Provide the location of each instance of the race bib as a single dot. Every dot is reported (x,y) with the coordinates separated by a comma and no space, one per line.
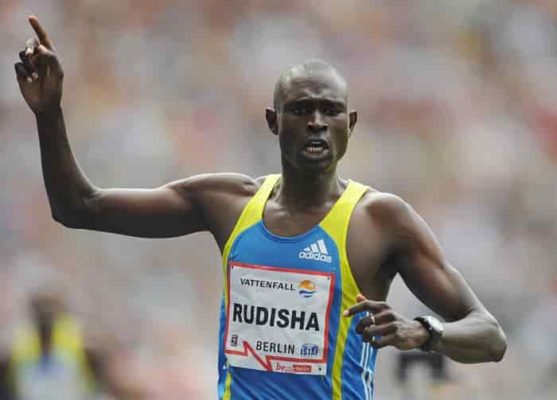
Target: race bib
(278,319)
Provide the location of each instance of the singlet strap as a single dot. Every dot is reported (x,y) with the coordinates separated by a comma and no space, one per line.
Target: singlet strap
(251,214)
(253,210)
(337,220)
(336,225)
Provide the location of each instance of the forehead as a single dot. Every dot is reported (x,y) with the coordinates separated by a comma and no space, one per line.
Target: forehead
(326,84)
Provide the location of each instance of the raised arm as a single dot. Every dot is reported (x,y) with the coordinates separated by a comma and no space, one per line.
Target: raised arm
(470,334)
(175,209)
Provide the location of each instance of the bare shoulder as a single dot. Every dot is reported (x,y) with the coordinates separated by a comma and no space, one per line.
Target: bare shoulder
(220,198)
(384,206)
(389,212)
(404,227)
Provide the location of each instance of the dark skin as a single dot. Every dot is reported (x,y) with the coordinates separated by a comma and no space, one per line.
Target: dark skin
(386,236)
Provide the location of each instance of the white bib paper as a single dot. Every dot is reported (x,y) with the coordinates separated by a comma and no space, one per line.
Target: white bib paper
(277,319)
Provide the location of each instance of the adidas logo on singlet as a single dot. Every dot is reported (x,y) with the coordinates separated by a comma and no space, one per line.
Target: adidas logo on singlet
(316,251)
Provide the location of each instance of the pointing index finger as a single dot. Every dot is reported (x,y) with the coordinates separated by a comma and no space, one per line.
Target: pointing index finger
(41,32)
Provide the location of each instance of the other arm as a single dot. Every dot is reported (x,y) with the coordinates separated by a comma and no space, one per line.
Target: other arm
(471,334)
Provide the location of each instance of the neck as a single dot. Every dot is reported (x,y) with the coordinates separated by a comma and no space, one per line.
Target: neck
(299,191)
(45,338)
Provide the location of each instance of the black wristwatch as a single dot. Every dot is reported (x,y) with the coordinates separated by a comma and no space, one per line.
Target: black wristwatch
(435,329)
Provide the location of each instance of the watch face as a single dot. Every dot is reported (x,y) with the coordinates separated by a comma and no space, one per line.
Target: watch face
(435,324)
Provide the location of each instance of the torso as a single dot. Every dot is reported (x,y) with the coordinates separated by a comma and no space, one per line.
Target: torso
(287,279)
(369,245)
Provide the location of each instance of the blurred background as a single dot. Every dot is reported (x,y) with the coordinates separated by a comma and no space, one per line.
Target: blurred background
(457,104)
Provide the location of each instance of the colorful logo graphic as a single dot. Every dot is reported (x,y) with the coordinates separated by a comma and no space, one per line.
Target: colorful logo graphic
(306,288)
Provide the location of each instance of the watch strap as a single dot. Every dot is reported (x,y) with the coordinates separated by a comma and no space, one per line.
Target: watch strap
(435,330)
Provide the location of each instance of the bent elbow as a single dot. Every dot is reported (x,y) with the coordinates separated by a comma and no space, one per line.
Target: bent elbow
(58,217)
(63,220)
(499,352)
(498,355)
(499,344)
(68,220)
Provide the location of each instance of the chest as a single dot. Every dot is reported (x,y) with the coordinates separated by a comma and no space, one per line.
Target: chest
(287,224)
(296,240)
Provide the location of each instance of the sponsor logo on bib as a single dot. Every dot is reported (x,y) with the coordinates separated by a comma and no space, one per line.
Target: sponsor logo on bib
(306,288)
(309,350)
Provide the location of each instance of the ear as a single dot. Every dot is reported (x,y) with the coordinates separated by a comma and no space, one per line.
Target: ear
(271,117)
(352,119)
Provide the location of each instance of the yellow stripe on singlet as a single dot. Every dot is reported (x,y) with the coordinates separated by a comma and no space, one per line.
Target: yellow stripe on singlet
(336,225)
(251,214)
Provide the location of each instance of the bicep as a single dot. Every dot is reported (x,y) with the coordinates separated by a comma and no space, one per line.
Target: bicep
(427,273)
(167,211)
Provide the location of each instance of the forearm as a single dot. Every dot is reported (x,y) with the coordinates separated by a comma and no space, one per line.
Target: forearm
(66,185)
(474,339)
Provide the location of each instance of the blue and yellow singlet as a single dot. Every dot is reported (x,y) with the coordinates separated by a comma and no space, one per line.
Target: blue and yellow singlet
(282,334)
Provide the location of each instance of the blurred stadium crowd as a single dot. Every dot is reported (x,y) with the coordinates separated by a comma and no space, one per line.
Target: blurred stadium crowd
(457,106)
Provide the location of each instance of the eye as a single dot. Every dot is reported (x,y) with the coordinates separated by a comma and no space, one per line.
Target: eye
(330,111)
(299,110)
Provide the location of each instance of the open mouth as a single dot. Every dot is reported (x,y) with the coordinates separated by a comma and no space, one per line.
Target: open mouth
(316,146)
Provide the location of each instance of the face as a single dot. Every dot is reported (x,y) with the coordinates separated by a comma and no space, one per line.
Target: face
(312,121)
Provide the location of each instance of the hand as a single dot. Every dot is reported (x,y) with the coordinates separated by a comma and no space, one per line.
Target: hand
(384,327)
(39,73)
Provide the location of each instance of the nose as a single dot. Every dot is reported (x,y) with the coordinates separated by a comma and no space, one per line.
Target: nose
(317,123)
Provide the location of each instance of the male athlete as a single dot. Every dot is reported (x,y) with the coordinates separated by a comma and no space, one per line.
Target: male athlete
(300,249)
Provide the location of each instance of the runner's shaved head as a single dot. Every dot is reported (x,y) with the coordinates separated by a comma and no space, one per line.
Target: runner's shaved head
(308,68)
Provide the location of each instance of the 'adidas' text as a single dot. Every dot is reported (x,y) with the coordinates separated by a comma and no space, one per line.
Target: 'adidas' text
(316,251)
